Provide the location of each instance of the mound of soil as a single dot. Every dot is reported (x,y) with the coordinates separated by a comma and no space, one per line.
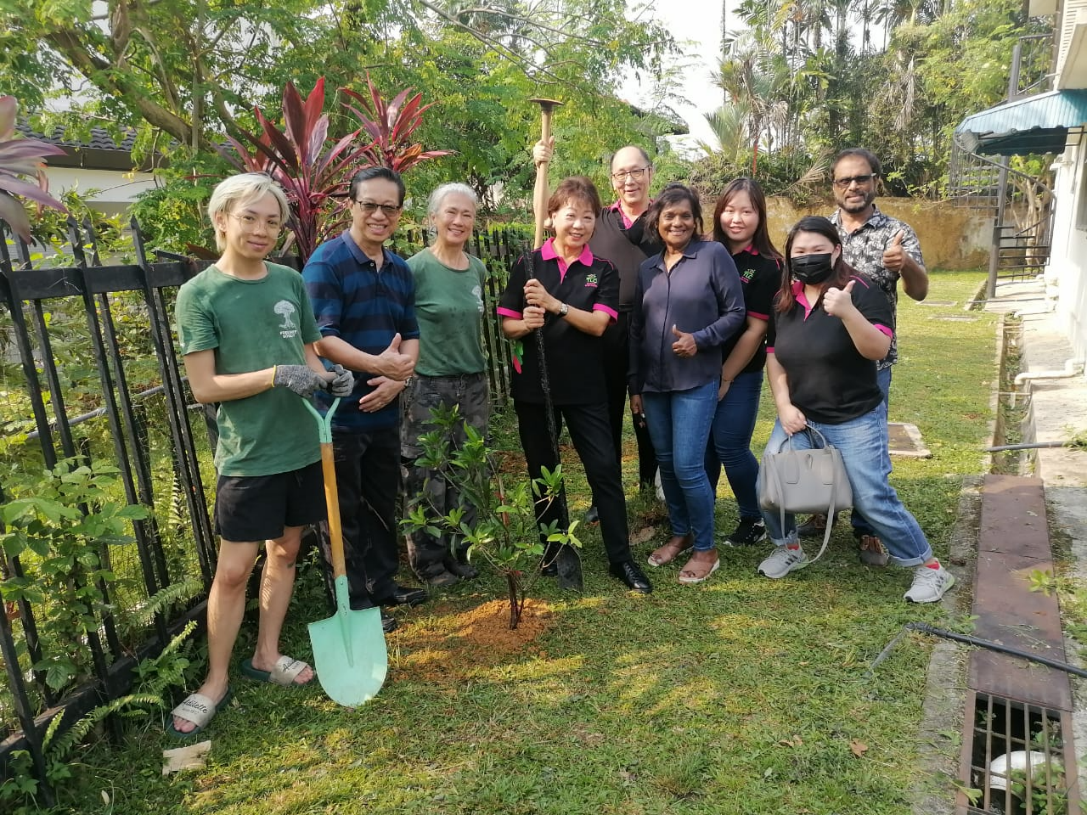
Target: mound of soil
(451,644)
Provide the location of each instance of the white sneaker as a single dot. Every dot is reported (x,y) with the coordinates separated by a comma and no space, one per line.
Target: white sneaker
(782,561)
(657,484)
(929,585)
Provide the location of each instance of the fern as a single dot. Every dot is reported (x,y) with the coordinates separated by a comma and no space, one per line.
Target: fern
(58,748)
(161,600)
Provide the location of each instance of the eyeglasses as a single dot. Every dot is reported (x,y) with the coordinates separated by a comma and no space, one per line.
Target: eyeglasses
(859,180)
(635,174)
(250,223)
(369,208)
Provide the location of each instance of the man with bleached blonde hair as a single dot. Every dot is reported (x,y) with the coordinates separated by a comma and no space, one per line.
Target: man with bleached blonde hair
(247,335)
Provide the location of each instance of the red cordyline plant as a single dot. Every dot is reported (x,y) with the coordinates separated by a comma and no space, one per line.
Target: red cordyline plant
(390,126)
(316,175)
(19,157)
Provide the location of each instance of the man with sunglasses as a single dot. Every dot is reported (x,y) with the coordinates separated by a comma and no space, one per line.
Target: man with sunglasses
(363,297)
(620,237)
(886,250)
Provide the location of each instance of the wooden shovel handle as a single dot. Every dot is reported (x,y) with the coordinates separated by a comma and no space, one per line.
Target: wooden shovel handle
(540,193)
(332,499)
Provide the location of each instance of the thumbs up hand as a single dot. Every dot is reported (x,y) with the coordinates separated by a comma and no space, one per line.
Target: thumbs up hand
(684,346)
(839,302)
(894,256)
(393,364)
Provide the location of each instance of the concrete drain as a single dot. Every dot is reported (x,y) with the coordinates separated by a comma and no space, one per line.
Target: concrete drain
(1017,759)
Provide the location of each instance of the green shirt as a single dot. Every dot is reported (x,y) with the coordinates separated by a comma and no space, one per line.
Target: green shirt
(252,325)
(449,308)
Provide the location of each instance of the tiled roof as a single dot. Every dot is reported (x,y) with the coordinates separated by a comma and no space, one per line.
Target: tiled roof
(100,139)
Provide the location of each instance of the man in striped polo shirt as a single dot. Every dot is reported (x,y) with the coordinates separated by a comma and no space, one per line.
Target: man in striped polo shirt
(363,297)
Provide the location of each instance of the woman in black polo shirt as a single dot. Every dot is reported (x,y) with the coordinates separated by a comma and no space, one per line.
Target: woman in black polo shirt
(739,224)
(830,326)
(572,299)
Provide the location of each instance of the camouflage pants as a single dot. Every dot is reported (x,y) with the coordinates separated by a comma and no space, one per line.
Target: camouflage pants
(427,554)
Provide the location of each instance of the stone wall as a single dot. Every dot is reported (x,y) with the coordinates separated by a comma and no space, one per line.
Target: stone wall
(951,237)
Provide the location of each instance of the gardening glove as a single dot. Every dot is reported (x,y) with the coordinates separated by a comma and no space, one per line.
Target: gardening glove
(343,384)
(300,379)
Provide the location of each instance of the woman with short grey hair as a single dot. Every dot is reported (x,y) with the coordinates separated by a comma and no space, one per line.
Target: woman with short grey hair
(450,371)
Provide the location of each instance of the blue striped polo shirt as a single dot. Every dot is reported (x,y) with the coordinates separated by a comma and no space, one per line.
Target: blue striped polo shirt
(364,306)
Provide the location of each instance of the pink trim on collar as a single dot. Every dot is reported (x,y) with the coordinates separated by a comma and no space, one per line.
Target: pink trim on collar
(750,249)
(547,252)
(617,207)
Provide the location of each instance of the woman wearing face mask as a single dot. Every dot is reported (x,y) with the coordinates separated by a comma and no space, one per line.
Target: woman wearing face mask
(739,224)
(830,326)
(687,305)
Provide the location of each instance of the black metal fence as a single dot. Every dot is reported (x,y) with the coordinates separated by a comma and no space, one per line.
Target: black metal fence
(90,371)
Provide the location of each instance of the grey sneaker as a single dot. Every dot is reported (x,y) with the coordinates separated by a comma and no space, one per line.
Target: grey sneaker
(782,561)
(929,585)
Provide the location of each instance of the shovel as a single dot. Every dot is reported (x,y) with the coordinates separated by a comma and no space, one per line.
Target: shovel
(349,647)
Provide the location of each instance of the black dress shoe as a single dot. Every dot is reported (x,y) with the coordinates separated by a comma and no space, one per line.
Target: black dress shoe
(403,596)
(465,571)
(630,573)
(388,622)
(592,515)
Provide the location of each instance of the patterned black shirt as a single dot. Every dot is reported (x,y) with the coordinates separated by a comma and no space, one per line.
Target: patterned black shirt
(863,250)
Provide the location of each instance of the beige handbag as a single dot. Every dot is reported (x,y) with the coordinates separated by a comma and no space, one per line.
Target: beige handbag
(794,481)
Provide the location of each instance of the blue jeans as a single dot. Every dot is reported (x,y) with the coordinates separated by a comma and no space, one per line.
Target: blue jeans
(679,425)
(863,444)
(730,442)
(883,380)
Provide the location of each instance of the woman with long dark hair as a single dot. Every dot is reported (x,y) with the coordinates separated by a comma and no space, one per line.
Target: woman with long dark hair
(830,326)
(687,305)
(739,224)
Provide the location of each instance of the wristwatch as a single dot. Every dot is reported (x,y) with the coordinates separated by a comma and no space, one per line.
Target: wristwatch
(564,310)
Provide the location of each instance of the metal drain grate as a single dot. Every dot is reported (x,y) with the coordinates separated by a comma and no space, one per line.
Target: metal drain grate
(1017,760)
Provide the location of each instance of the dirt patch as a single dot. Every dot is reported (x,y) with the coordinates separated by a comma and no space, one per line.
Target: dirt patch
(451,644)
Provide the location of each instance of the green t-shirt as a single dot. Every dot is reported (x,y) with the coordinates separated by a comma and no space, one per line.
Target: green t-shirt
(449,308)
(252,325)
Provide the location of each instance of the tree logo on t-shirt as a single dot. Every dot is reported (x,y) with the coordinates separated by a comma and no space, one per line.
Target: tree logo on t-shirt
(590,280)
(286,309)
(477,292)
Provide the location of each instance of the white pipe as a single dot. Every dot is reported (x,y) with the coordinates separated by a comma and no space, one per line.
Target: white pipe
(1072,367)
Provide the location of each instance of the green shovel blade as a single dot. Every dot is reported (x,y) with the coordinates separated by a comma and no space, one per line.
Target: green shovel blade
(349,651)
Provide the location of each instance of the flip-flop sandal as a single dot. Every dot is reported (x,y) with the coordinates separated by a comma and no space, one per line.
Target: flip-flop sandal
(690,580)
(198,709)
(653,560)
(284,672)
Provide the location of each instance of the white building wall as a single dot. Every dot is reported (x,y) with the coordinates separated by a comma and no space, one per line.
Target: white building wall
(1065,274)
(115,189)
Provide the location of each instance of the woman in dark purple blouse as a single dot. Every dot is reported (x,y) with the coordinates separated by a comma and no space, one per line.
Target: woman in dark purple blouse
(687,304)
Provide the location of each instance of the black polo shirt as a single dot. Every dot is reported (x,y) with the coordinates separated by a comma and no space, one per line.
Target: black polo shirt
(575,360)
(760,279)
(829,380)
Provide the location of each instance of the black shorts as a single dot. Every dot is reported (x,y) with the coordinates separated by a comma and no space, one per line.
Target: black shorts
(251,508)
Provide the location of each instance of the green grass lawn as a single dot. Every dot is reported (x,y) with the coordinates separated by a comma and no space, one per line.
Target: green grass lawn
(743,695)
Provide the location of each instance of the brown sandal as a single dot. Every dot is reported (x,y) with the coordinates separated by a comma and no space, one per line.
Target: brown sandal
(676,546)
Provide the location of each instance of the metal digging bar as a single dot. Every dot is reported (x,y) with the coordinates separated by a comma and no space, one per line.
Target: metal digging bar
(999,648)
(567,561)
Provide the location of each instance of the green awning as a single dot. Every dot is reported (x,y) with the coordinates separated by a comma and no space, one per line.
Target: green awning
(1035,124)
